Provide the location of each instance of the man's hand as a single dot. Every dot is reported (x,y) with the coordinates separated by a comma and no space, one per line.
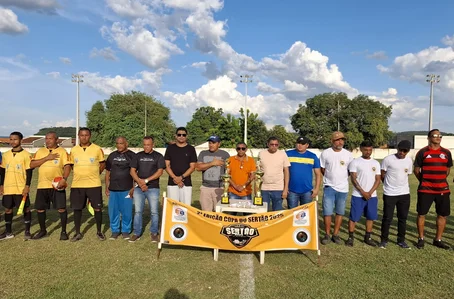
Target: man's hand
(284,194)
(1,190)
(26,190)
(51,156)
(217,162)
(107,192)
(62,184)
(314,193)
(141,183)
(177,180)
(131,192)
(144,188)
(366,195)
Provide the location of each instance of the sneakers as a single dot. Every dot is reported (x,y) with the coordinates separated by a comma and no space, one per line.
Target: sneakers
(403,245)
(5,236)
(441,244)
(125,236)
(349,242)
(370,242)
(114,236)
(41,234)
(336,239)
(77,237)
(326,240)
(382,245)
(101,236)
(63,236)
(420,244)
(27,236)
(134,238)
(154,238)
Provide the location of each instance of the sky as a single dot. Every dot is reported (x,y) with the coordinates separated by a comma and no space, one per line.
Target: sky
(189,54)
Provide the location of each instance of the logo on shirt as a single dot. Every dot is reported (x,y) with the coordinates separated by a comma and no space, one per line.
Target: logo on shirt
(342,163)
(92,160)
(76,160)
(442,156)
(55,161)
(18,166)
(373,168)
(406,170)
(146,160)
(428,157)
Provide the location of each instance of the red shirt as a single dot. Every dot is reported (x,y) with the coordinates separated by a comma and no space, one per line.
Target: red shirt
(434,164)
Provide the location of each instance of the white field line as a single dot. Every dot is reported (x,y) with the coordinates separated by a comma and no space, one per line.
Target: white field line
(247,280)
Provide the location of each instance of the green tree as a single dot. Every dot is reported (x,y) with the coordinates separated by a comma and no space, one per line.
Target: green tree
(61,131)
(359,118)
(230,131)
(125,114)
(205,122)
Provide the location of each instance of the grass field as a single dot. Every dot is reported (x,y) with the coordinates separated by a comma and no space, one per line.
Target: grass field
(50,268)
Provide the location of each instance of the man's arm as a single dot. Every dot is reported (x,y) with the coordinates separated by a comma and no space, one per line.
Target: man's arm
(28,181)
(322,170)
(318,181)
(2,179)
(39,162)
(375,186)
(107,182)
(200,166)
(176,179)
(417,172)
(353,178)
(190,170)
(286,179)
(102,166)
(383,174)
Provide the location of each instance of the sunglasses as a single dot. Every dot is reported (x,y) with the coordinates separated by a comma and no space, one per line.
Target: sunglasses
(403,150)
(240,148)
(274,144)
(179,135)
(437,136)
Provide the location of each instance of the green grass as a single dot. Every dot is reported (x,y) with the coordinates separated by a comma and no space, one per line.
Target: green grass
(49,268)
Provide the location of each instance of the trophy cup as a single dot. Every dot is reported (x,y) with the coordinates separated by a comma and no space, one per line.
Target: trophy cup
(226,178)
(258,201)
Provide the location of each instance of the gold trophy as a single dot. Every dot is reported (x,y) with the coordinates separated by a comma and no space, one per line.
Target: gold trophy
(258,201)
(226,178)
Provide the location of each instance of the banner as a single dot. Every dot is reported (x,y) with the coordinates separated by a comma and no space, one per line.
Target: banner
(281,230)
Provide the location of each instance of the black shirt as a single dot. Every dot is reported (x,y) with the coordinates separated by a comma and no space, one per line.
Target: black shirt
(147,164)
(180,158)
(118,165)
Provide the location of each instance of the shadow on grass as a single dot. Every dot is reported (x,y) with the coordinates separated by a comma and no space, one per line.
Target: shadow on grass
(175,294)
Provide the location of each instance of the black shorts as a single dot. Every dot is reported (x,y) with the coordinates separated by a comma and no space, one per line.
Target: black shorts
(11,201)
(44,197)
(79,197)
(442,203)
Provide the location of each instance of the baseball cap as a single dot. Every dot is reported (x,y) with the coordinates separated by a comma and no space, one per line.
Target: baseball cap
(214,138)
(404,144)
(303,140)
(337,135)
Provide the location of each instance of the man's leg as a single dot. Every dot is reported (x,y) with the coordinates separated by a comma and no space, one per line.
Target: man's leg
(356,210)
(328,208)
(139,202)
(389,202)
(78,201)
(125,205)
(42,202)
(8,203)
(443,209)
(403,206)
(187,195)
(95,196)
(60,204)
(422,207)
(173,192)
(340,198)
(153,201)
(266,197)
(371,209)
(305,198)
(205,199)
(292,200)
(277,200)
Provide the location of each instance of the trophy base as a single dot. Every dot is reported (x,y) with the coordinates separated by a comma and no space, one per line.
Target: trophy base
(225,200)
(258,201)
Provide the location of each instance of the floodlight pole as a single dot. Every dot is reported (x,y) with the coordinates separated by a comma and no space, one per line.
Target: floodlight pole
(432,78)
(245,79)
(77,79)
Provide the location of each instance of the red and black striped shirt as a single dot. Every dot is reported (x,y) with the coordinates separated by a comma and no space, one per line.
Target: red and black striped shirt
(434,164)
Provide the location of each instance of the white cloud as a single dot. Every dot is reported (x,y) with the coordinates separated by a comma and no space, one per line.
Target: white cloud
(54,75)
(266,88)
(379,55)
(448,40)
(292,86)
(128,8)
(65,123)
(9,23)
(106,53)
(65,60)
(43,6)
(13,69)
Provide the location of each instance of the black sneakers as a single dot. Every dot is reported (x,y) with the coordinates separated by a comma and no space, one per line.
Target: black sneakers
(41,234)
(326,240)
(349,242)
(5,236)
(63,236)
(114,236)
(370,242)
(441,244)
(336,239)
(77,237)
(420,243)
(101,236)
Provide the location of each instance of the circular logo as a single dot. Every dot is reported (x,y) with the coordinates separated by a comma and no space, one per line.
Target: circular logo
(179,212)
(178,232)
(301,237)
(342,163)
(373,168)
(406,170)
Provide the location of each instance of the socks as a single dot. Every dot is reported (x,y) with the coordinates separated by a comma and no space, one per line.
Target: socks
(98,218)
(42,220)
(63,220)
(350,234)
(367,236)
(9,222)
(77,220)
(27,220)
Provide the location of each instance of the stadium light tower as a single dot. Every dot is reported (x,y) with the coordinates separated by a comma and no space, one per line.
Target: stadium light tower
(432,79)
(245,79)
(77,79)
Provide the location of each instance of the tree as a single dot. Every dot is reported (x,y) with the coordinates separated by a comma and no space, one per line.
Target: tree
(124,115)
(206,121)
(61,131)
(256,130)
(360,118)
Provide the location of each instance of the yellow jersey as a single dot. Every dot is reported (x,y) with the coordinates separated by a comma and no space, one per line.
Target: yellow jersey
(86,166)
(50,169)
(15,164)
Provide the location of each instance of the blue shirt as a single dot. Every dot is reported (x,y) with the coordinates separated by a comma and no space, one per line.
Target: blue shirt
(301,170)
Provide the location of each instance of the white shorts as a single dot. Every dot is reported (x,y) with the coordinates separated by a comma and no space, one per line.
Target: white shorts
(183,195)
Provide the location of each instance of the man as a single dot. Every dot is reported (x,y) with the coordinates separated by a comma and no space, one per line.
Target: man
(365,176)
(334,163)
(88,163)
(15,179)
(242,169)
(395,170)
(211,163)
(432,166)
(180,161)
(119,188)
(275,166)
(302,164)
(53,161)
(146,168)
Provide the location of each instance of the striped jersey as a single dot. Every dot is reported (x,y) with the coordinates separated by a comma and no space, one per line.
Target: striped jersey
(434,164)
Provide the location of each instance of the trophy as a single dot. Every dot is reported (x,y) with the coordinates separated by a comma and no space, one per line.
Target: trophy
(226,178)
(258,201)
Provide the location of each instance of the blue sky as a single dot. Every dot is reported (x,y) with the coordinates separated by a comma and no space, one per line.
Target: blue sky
(191,53)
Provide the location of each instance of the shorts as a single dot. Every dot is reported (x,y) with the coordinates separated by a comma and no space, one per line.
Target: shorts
(442,203)
(14,200)
(361,206)
(333,200)
(79,196)
(44,197)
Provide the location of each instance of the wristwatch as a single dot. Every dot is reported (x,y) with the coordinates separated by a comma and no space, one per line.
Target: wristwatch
(146,181)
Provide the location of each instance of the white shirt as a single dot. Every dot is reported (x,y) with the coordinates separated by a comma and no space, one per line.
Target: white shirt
(336,168)
(366,170)
(396,177)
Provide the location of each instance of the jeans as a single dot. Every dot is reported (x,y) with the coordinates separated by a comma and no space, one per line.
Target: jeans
(333,201)
(152,195)
(402,202)
(275,197)
(297,199)
(120,205)
(234,196)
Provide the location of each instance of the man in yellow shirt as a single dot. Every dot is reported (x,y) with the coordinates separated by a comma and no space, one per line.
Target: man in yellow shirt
(88,163)
(53,161)
(15,179)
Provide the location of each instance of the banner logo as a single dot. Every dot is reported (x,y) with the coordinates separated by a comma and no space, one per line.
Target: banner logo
(178,233)
(301,237)
(239,234)
(301,218)
(179,214)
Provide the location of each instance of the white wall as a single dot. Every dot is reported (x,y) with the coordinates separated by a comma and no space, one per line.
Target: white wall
(420,141)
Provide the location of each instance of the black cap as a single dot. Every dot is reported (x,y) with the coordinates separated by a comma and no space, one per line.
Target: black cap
(303,140)
(404,144)
(214,138)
